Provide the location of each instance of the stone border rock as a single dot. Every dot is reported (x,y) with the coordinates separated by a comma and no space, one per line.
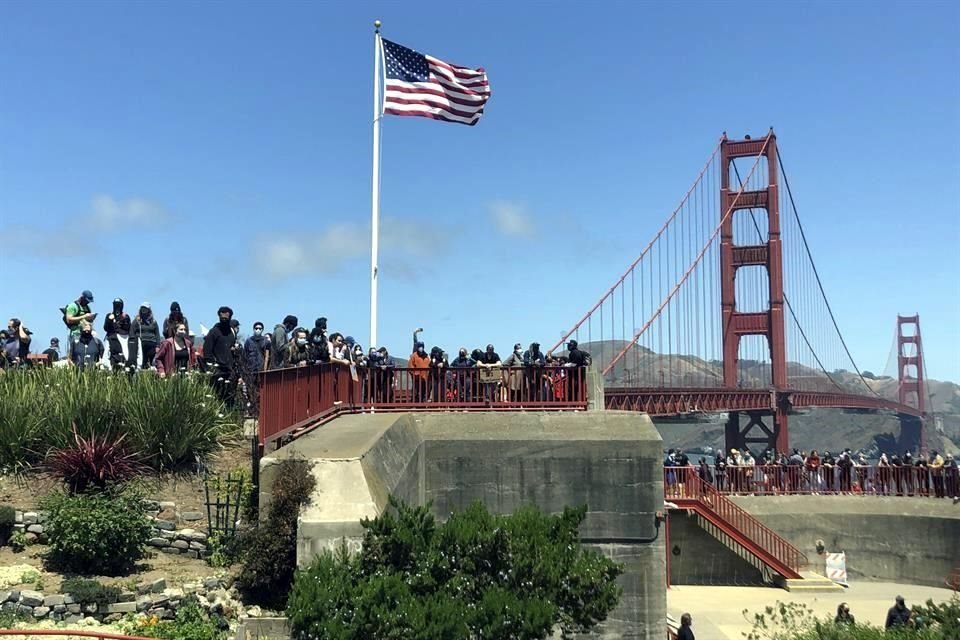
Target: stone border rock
(216,594)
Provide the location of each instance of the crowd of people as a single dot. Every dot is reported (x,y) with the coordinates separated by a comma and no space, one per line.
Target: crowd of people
(801,472)
(166,346)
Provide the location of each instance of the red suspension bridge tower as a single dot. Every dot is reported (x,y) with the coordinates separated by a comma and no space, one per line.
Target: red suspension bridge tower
(768,323)
(911,385)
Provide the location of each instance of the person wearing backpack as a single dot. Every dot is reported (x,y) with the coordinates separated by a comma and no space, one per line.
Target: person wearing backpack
(78,311)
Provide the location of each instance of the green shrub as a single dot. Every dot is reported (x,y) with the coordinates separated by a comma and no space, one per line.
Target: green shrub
(173,423)
(103,533)
(86,591)
(475,576)
(190,623)
(271,560)
(8,517)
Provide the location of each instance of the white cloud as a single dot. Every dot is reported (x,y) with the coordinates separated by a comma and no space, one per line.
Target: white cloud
(334,248)
(512,219)
(110,214)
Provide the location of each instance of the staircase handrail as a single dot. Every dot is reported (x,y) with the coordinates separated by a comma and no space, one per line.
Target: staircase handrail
(707,495)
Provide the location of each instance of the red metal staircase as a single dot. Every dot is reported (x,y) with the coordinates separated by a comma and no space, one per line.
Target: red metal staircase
(731,524)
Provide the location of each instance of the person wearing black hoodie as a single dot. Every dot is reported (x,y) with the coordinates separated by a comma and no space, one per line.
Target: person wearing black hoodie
(145,336)
(319,343)
(116,328)
(171,321)
(218,352)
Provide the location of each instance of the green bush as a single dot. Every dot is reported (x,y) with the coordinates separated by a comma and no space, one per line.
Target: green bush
(8,517)
(173,423)
(795,621)
(190,623)
(85,591)
(102,533)
(271,560)
(475,576)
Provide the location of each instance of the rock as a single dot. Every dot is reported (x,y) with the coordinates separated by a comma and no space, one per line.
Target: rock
(30,598)
(90,608)
(191,516)
(35,528)
(122,607)
(144,603)
(196,546)
(227,580)
(5,595)
(169,535)
(192,535)
(158,585)
(192,554)
(191,587)
(150,505)
(40,612)
(73,608)
(255,611)
(9,607)
(180,544)
(113,617)
(68,599)
(52,601)
(158,542)
(166,525)
(173,594)
(73,618)
(142,588)
(163,614)
(158,599)
(32,537)
(127,596)
(19,527)
(14,596)
(18,517)
(171,550)
(164,506)
(31,517)
(23,610)
(59,608)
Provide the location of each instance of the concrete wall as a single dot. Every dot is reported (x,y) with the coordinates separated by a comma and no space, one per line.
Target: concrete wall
(696,557)
(911,540)
(608,460)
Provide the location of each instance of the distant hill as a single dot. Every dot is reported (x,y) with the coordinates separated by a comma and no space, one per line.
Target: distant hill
(646,368)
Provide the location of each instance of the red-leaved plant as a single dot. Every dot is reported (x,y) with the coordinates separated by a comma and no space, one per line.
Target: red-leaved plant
(93,463)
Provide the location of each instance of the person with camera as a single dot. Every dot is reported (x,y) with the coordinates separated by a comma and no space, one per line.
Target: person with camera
(77,312)
(17,345)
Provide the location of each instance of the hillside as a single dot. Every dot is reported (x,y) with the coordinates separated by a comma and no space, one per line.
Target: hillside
(820,429)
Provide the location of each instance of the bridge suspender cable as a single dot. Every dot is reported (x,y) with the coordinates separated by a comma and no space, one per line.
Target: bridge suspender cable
(630,269)
(786,299)
(693,265)
(816,274)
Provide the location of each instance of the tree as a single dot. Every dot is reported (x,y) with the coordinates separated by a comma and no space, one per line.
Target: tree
(475,576)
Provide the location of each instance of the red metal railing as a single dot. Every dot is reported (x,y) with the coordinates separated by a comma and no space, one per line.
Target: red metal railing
(298,398)
(682,486)
(69,632)
(924,482)
(953,580)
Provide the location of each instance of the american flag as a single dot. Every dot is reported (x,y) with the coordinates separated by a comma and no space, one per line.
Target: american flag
(421,85)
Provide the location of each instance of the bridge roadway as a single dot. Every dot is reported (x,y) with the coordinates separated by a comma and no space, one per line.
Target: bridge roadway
(685,400)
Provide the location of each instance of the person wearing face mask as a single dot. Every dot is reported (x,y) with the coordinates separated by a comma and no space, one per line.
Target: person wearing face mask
(299,352)
(171,321)
(514,362)
(256,350)
(490,364)
(86,349)
(420,365)
(144,336)
(319,342)
(219,354)
(175,355)
(116,328)
(462,376)
(534,361)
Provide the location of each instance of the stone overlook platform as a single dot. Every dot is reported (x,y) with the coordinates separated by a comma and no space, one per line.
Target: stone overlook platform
(608,460)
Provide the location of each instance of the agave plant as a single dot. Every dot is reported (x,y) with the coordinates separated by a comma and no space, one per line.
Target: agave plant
(93,463)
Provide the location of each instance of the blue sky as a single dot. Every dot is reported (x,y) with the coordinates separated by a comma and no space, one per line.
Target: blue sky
(219,153)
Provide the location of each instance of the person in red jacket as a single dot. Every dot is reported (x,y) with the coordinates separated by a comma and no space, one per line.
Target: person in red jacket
(176,353)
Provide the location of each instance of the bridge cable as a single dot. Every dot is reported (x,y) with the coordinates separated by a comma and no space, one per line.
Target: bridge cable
(785,298)
(816,274)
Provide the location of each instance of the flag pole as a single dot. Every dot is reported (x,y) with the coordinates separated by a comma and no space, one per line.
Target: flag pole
(375,193)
